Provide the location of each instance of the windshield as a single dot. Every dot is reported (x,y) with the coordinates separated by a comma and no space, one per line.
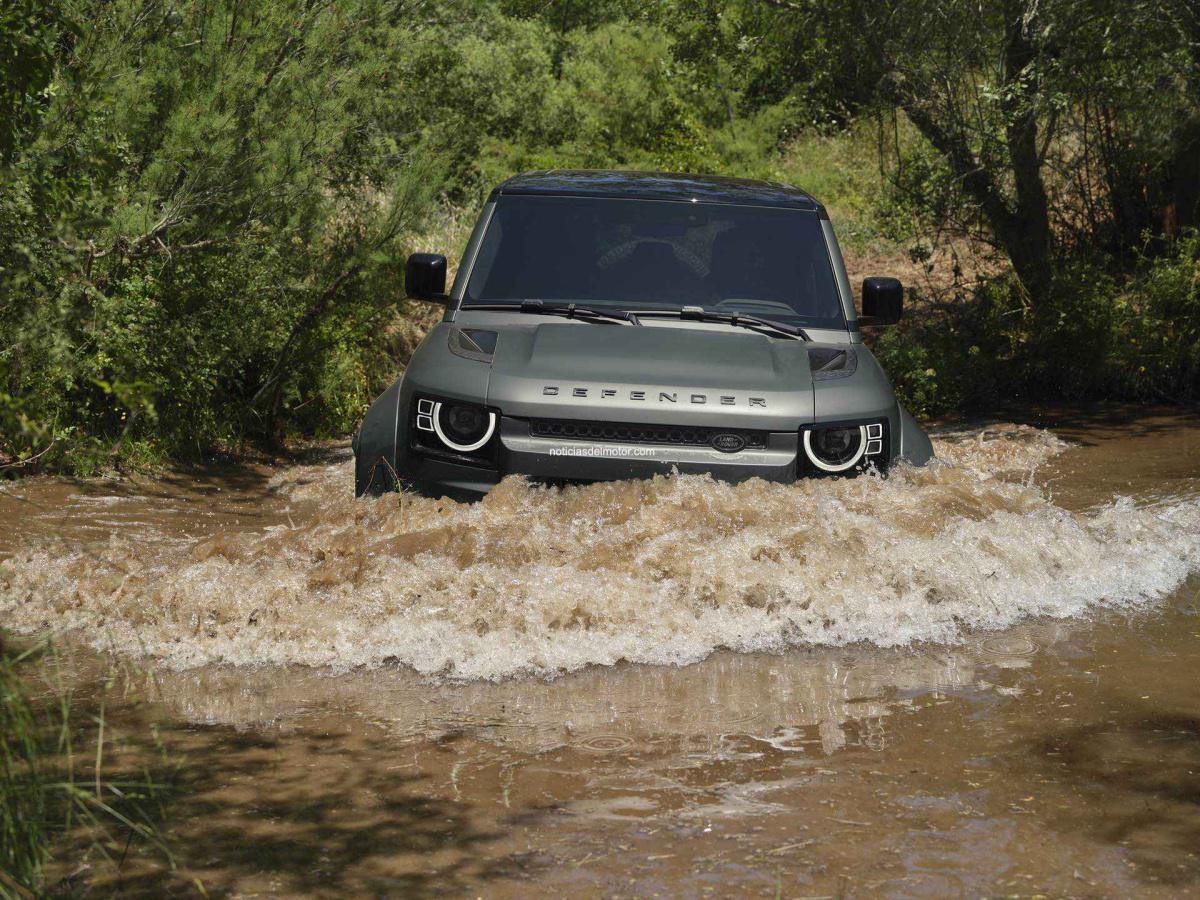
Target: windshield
(648,254)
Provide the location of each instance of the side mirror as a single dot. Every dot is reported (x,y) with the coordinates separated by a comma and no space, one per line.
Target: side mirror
(425,277)
(882,301)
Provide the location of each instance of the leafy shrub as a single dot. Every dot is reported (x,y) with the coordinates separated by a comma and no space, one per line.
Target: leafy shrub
(1091,337)
(909,366)
(199,251)
(631,111)
(1157,340)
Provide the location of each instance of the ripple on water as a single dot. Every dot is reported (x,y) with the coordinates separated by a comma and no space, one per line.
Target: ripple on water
(1010,648)
(604,744)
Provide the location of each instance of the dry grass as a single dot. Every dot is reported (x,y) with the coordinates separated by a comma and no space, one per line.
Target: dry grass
(953,268)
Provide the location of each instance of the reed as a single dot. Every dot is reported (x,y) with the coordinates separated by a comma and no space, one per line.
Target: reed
(58,799)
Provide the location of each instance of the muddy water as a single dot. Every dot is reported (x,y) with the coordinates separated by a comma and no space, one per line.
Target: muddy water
(977,678)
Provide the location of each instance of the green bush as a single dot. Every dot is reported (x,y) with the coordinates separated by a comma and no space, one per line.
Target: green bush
(909,365)
(622,80)
(204,231)
(1092,337)
(614,102)
(1157,342)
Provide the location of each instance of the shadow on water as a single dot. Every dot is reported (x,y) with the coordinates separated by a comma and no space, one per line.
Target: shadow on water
(311,813)
(1140,778)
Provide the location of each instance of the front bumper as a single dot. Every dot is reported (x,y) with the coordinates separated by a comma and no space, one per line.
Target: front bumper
(588,460)
(518,452)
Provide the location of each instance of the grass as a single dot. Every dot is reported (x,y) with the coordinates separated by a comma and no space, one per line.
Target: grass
(842,170)
(61,797)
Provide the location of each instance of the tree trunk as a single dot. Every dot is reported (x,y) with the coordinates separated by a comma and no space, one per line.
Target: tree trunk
(1029,239)
(1021,227)
(1028,252)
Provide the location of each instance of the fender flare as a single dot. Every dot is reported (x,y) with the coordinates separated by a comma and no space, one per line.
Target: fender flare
(915,446)
(375,456)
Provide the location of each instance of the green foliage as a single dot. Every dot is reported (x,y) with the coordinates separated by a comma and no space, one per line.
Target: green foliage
(204,207)
(1156,342)
(914,378)
(920,193)
(1093,336)
(623,80)
(752,55)
(500,95)
(478,79)
(29,30)
(207,223)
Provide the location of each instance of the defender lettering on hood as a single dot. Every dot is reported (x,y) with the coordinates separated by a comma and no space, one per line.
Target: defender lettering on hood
(582,393)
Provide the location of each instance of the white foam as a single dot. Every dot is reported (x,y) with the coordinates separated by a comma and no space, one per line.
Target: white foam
(537,580)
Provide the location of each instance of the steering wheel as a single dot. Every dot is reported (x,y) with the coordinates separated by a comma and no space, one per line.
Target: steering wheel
(683,254)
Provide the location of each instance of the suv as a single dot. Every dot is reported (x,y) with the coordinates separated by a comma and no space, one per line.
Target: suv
(609,325)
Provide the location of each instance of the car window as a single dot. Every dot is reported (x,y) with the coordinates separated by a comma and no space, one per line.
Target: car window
(644,254)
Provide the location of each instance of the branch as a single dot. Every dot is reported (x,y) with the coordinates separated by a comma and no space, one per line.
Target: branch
(302,325)
(21,463)
(967,168)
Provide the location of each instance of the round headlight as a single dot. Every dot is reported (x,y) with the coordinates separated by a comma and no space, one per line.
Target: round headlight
(463,426)
(835,449)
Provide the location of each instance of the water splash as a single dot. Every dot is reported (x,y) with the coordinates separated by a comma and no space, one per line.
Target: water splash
(541,580)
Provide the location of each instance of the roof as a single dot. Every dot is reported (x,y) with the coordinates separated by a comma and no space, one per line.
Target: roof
(656,186)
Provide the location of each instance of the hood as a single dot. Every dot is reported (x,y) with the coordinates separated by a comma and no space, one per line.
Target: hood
(655,373)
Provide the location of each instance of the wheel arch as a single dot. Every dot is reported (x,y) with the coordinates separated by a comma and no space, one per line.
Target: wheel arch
(375,449)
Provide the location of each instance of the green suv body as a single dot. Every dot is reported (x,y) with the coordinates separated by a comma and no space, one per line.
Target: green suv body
(610,325)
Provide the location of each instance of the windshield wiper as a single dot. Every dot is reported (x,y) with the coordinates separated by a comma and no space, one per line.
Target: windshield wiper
(698,314)
(570,311)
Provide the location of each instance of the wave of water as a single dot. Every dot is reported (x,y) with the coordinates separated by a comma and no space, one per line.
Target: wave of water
(546,580)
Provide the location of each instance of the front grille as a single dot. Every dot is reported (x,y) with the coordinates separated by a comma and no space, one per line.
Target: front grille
(639,433)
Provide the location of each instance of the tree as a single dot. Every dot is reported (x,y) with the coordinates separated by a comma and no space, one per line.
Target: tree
(1047,116)
(208,184)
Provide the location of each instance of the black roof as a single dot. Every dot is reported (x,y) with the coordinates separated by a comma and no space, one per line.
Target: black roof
(656,186)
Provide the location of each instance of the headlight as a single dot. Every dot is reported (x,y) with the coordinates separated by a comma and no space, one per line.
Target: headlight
(463,427)
(839,448)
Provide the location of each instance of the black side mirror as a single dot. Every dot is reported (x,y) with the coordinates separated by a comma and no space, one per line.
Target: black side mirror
(882,301)
(425,277)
